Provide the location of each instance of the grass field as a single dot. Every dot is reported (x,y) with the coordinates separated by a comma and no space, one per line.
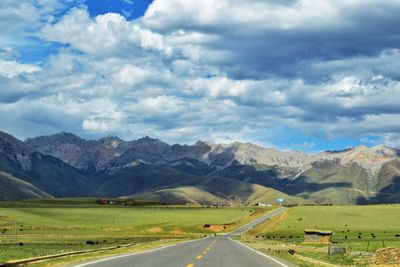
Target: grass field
(353,224)
(46,227)
(357,228)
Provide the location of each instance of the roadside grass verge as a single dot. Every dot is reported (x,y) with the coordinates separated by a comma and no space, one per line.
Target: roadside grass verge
(75,259)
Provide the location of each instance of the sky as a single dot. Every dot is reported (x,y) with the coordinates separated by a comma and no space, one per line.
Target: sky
(306,75)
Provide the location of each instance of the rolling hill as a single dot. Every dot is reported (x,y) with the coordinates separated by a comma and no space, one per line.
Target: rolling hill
(209,190)
(14,188)
(163,183)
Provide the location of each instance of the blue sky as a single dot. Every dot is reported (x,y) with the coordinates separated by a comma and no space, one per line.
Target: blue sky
(131,9)
(222,71)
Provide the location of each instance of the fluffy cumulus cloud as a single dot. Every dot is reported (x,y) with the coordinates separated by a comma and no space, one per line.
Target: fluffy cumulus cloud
(294,74)
(9,69)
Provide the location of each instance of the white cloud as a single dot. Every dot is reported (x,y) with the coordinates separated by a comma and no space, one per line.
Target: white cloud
(221,70)
(20,20)
(219,87)
(262,14)
(153,41)
(131,75)
(10,69)
(106,35)
(160,105)
(108,121)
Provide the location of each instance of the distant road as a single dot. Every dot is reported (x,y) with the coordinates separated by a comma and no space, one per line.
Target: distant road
(243,229)
(219,251)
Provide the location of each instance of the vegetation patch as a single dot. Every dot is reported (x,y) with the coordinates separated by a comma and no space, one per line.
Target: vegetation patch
(37,228)
(387,256)
(155,230)
(359,231)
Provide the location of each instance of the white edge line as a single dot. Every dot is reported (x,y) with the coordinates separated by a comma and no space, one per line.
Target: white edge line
(135,253)
(258,252)
(160,248)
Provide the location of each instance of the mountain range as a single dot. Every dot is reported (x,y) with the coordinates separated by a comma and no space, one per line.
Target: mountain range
(65,165)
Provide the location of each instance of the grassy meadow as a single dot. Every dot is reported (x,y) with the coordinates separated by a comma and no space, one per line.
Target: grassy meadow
(34,228)
(357,228)
(353,224)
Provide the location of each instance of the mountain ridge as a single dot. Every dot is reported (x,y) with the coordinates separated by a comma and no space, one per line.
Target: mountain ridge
(351,175)
(218,154)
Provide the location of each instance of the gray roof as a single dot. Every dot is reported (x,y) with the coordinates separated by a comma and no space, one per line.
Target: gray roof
(315,231)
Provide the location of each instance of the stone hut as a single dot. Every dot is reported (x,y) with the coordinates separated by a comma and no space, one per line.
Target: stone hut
(317,236)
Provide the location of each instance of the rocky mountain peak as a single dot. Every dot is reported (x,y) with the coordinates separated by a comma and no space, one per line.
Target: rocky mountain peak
(111,150)
(11,145)
(149,140)
(16,151)
(110,141)
(59,138)
(370,158)
(361,147)
(202,143)
(376,154)
(247,153)
(88,155)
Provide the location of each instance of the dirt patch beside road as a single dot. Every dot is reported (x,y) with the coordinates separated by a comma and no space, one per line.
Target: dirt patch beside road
(387,256)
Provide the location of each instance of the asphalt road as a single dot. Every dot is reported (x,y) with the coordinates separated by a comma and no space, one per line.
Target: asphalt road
(241,230)
(219,251)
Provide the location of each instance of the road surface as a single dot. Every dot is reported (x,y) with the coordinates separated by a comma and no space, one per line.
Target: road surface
(219,251)
(241,230)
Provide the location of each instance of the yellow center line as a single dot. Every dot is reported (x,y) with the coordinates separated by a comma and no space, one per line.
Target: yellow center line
(204,252)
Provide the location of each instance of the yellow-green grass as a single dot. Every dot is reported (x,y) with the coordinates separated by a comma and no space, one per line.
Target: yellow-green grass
(49,227)
(74,259)
(359,227)
(359,223)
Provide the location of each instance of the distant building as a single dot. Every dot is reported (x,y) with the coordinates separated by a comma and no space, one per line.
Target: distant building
(130,202)
(107,202)
(317,236)
(102,201)
(261,204)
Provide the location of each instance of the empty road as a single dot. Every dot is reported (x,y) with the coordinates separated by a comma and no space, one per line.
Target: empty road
(220,251)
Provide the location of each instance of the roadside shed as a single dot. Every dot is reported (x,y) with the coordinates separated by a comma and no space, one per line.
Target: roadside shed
(130,202)
(102,201)
(317,236)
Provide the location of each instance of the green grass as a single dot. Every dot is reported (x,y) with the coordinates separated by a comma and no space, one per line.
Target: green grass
(48,247)
(350,221)
(335,259)
(54,226)
(50,203)
(358,223)
(122,220)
